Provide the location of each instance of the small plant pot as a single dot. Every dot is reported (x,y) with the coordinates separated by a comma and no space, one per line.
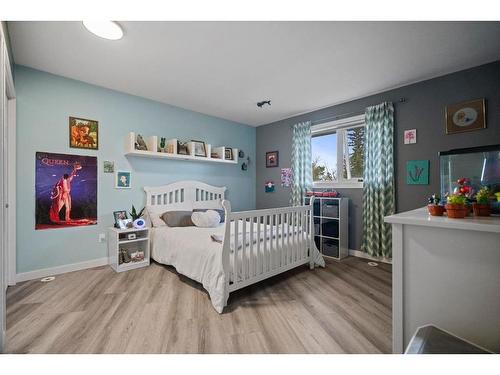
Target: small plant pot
(435,209)
(456,211)
(481,209)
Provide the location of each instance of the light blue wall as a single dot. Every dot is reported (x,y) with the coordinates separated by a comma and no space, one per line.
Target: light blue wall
(44,103)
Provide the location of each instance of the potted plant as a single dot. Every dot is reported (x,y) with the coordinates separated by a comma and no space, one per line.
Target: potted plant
(482,206)
(136,216)
(456,207)
(435,209)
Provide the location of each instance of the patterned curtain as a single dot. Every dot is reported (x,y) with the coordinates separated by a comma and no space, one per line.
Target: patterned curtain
(301,162)
(378,180)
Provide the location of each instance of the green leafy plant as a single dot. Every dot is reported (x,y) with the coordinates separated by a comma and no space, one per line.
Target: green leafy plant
(434,199)
(456,199)
(136,215)
(483,195)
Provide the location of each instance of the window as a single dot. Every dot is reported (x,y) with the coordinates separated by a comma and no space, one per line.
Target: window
(337,153)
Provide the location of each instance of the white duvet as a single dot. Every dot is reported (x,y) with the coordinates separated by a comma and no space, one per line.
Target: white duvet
(193,253)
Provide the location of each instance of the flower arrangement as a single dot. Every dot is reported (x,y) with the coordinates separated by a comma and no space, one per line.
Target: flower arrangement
(434,207)
(456,199)
(456,203)
(463,187)
(482,205)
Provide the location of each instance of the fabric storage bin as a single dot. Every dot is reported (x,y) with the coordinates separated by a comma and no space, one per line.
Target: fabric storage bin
(329,227)
(330,208)
(330,247)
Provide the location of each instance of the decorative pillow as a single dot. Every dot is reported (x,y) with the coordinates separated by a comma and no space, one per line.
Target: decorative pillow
(177,218)
(221,213)
(208,219)
(157,221)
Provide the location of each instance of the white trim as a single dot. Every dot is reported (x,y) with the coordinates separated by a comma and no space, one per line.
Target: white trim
(349,122)
(361,254)
(397,289)
(38,274)
(11,178)
(338,185)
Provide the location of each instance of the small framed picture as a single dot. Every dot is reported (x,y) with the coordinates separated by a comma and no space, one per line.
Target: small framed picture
(272,159)
(83,133)
(199,148)
(121,219)
(122,180)
(410,136)
(182,148)
(228,153)
(466,116)
(109,167)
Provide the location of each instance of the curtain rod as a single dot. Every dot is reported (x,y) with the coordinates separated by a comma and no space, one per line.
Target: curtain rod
(345,115)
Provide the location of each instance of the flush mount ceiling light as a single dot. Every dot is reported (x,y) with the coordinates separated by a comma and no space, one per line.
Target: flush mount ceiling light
(104,29)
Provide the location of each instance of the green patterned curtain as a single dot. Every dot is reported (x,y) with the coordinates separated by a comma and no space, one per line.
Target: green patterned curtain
(301,162)
(378,180)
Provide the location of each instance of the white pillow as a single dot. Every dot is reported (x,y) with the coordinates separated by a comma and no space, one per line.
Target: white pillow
(207,219)
(157,221)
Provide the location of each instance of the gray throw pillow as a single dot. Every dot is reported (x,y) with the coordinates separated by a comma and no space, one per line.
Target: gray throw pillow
(177,218)
(222,213)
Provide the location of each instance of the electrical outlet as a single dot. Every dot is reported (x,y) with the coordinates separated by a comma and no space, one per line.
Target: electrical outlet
(102,237)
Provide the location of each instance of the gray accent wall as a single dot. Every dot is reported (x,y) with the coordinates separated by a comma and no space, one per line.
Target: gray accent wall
(423,110)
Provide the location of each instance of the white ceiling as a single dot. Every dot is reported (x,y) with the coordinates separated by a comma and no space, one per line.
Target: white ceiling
(224,68)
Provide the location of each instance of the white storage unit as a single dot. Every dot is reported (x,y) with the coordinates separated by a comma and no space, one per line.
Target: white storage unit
(120,239)
(331,225)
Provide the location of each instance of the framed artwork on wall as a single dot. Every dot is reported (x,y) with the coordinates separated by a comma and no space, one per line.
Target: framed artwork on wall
(466,116)
(109,166)
(410,137)
(122,180)
(417,172)
(65,190)
(83,133)
(269,187)
(272,159)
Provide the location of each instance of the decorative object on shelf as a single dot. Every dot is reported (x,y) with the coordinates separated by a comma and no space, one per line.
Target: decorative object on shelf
(214,155)
(121,219)
(410,137)
(241,154)
(57,205)
(466,116)
(109,166)
(456,207)
(124,257)
(122,180)
(140,144)
(170,148)
(131,236)
(228,153)
(199,148)
(139,223)
(182,148)
(286,177)
(269,187)
(417,172)
(272,159)
(83,133)
(137,256)
(482,205)
(434,207)
(161,147)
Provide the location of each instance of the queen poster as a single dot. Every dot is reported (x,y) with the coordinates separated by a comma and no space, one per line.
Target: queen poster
(65,190)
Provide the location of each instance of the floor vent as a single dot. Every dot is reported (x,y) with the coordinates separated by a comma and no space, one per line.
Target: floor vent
(48,279)
(372,264)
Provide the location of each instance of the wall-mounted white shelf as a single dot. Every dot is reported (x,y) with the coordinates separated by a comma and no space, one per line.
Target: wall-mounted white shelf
(152,144)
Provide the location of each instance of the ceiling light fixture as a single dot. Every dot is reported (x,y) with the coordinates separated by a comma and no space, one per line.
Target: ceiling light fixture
(104,29)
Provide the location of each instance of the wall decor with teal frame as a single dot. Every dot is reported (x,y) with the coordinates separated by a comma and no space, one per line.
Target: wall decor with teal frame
(417,172)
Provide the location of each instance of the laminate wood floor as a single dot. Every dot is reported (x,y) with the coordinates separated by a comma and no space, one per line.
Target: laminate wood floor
(343,308)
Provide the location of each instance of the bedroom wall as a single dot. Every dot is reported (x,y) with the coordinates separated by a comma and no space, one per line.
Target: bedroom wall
(44,103)
(423,110)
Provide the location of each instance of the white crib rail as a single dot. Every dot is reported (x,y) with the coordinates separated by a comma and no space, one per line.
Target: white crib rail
(266,242)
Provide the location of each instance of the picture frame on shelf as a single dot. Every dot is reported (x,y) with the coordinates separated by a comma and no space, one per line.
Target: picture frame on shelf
(466,116)
(121,219)
(123,180)
(228,153)
(182,148)
(200,148)
(83,133)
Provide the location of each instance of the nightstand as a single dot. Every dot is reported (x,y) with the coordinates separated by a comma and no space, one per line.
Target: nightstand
(131,240)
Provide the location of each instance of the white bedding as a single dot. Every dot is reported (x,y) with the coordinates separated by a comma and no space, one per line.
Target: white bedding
(193,253)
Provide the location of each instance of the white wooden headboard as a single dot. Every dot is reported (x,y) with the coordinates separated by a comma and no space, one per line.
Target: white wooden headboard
(183,195)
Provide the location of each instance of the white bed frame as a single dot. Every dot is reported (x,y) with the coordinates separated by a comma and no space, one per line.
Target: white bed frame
(267,256)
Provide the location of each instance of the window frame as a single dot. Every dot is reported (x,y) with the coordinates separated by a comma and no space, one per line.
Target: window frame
(339,127)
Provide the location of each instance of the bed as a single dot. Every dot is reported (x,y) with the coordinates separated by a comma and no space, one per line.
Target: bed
(248,247)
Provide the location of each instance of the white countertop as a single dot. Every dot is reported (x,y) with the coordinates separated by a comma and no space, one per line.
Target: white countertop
(421,217)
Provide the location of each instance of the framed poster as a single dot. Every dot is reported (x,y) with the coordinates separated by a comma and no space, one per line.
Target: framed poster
(272,159)
(417,172)
(65,190)
(122,180)
(83,133)
(466,116)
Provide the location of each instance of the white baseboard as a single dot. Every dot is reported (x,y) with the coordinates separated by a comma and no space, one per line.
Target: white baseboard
(361,254)
(38,274)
